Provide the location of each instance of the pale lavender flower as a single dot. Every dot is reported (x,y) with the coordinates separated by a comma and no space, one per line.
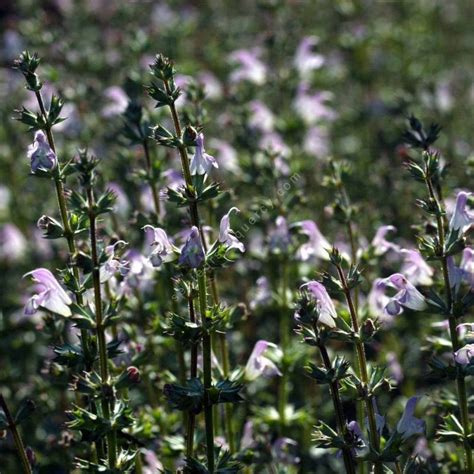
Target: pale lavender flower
(316,141)
(316,246)
(279,238)
(227,236)
(378,300)
(113,265)
(408,424)
(415,268)
(467,266)
(354,428)
(407,296)
(11,46)
(259,364)
(462,217)
(465,328)
(140,275)
(421,449)
(465,355)
(456,274)
(247,436)
(380,244)
(152,464)
(201,162)
(327,311)
(249,66)
(50,294)
(313,107)
(261,117)
(306,60)
(117,101)
(42,156)
(192,254)
(13,244)
(284,451)
(263,293)
(162,246)
(273,142)
(212,85)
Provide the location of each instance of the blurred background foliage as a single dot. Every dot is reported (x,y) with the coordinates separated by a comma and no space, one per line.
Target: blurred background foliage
(383,60)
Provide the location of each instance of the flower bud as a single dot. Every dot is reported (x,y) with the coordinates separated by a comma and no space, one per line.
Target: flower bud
(50,227)
(189,136)
(130,376)
(368,329)
(335,256)
(43,159)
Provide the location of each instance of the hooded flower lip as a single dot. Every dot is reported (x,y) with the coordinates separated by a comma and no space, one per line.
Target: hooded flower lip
(113,265)
(260,365)
(226,235)
(306,60)
(462,217)
(192,254)
(380,244)
(41,155)
(201,162)
(317,244)
(409,425)
(415,268)
(262,117)
(377,300)
(465,355)
(162,247)
(327,311)
(467,266)
(313,107)
(50,294)
(249,66)
(13,244)
(408,296)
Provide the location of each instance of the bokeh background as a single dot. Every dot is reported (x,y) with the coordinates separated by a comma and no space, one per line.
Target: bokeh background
(373,64)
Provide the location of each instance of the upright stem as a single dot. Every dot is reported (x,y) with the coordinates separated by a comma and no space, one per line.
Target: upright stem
(207,369)
(284,340)
(101,341)
(338,408)
(206,343)
(20,447)
(149,169)
(63,210)
(193,374)
(363,372)
(460,380)
(224,353)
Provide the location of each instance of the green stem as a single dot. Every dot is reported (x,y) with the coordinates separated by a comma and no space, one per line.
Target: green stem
(20,447)
(284,341)
(101,340)
(191,423)
(207,369)
(460,380)
(349,463)
(149,170)
(363,372)
(206,343)
(63,210)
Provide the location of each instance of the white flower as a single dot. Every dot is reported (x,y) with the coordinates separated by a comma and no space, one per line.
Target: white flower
(50,294)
